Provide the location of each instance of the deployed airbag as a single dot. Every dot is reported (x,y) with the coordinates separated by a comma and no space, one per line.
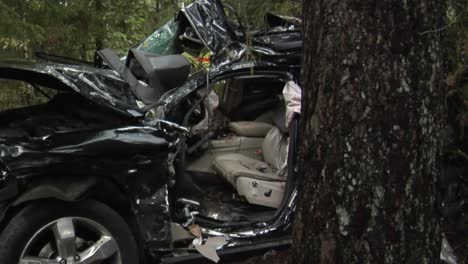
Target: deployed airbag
(292,97)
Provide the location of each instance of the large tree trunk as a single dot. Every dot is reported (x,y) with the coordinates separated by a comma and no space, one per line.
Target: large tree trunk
(373,112)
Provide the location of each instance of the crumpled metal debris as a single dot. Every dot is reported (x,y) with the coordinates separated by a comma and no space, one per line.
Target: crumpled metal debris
(209,248)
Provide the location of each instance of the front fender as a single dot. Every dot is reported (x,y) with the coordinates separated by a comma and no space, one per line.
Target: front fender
(61,190)
(58,189)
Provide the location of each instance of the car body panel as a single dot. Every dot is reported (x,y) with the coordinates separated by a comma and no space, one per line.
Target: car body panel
(135,158)
(104,87)
(121,150)
(208,19)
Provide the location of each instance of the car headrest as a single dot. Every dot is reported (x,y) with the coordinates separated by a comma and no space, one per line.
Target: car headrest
(162,73)
(171,71)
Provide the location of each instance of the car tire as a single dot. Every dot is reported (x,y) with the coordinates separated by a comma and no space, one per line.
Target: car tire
(17,239)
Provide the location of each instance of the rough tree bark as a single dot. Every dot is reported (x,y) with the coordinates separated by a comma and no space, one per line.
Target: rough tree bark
(373,112)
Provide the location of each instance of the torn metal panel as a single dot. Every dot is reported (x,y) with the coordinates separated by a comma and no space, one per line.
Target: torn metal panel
(208,19)
(211,24)
(281,43)
(153,213)
(279,48)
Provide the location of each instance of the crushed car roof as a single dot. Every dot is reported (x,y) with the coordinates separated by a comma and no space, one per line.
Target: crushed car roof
(226,40)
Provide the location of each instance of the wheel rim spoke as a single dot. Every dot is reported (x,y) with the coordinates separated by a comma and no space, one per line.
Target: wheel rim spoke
(64,233)
(103,249)
(35,260)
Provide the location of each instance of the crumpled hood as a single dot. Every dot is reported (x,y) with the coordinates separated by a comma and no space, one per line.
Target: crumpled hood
(104,87)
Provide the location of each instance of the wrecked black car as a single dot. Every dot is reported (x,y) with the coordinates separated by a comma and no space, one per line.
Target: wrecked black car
(146,159)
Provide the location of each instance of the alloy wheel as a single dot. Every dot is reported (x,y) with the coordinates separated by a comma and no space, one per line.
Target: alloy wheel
(71,240)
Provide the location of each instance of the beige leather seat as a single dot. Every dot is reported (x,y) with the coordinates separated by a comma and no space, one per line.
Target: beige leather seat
(260,182)
(250,128)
